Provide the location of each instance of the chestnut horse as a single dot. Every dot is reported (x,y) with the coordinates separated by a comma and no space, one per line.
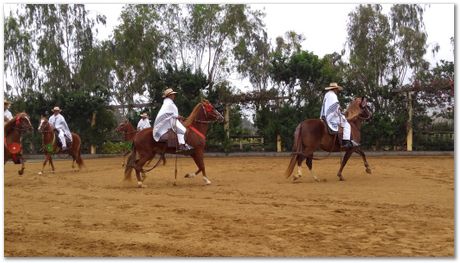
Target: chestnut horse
(13,133)
(145,147)
(129,132)
(50,145)
(312,134)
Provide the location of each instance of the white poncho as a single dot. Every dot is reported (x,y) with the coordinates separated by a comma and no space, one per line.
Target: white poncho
(59,123)
(331,111)
(165,118)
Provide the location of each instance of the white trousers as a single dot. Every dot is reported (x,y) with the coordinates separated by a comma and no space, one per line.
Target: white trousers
(180,130)
(62,138)
(346,129)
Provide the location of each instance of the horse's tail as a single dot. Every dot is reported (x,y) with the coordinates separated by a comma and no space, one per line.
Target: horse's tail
(130,163)
(297,149)
(78,158)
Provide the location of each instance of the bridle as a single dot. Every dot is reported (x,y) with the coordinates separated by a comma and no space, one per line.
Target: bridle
(206,109)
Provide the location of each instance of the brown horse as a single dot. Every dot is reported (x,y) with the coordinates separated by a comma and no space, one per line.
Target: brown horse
(50,145)
(312,134)
(13,133)
(145,147)
(129,132)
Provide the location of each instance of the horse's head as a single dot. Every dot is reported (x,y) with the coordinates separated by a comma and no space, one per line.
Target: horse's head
(22,122)
(210,112)
(44,126)
(123,126)
(359,109)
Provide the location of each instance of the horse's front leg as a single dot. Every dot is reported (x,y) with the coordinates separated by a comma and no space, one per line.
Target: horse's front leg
(343,163)
(44,164)
(51,163)
(21,172)
(199,161)
(360,152)
(139,170)
(124,158)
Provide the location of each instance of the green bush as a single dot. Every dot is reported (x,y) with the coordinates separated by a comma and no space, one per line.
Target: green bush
(116,147)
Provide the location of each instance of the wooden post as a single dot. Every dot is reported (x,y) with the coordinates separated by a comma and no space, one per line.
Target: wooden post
(278,143)
(409,136)
(227,120)
(93,123)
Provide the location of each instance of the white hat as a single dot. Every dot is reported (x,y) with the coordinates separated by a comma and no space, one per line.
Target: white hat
(56,108)
(144,114)
(333,85)
(168,92)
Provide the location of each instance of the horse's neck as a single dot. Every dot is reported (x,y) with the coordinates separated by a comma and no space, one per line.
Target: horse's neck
(201,126)
(9,127)
(12,135)
(357,122)
(48,135)
(130,133)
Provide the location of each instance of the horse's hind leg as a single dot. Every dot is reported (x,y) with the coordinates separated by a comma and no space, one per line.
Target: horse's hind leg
(360,152)
(300,158)
(309,163)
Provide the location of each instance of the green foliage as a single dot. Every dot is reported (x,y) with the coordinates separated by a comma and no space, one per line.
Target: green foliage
(116,147)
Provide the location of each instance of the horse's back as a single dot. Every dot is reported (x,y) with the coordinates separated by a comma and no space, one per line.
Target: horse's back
(313,127)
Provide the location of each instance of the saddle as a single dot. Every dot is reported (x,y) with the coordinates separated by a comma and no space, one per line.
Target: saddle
(338,133)
(170,138)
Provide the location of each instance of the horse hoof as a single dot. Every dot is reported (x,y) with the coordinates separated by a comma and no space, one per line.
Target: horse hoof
(189,175)
(341,178)
(296,177)
(40,173)
(20,172)
(369,171)
(317,180)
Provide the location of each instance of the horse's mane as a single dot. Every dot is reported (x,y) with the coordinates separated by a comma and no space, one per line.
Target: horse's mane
(353,109)
(9,124)
(195,112)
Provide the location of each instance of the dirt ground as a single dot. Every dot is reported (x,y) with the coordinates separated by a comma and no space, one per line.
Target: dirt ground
(404,208)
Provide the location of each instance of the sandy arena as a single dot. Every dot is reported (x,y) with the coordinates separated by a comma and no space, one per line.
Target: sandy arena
(404,208)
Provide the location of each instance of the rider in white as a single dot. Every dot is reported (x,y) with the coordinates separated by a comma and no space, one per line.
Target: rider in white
(7,116)
(59,123)
(330,110)
(144,122)
(168,118)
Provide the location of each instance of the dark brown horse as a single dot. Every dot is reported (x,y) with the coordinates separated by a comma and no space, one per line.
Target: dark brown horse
(312,134)
(145,147)
(13,133)
(50,145)
(128,132)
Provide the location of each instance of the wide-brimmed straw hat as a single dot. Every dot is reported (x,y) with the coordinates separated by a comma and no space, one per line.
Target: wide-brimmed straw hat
(333,85)
(168,92)
(56,108)
(144,115)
